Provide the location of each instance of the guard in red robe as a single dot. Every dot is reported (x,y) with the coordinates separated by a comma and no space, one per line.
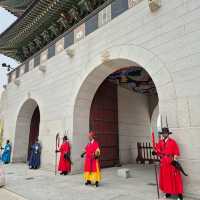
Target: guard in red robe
(65,162)
(170,177)
(92,173)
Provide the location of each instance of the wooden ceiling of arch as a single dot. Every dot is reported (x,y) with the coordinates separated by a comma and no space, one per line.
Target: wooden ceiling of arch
(134,78)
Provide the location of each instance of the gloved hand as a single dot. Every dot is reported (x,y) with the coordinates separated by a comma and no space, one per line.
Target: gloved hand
(57,151)
(154,153)
(83,154)
(96,157)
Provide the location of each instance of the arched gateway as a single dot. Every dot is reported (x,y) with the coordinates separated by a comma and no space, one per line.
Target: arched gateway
(27,130)
(119,114)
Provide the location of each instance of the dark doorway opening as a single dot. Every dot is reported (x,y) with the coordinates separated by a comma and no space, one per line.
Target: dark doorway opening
(104,121)
(118,140)
(34,129)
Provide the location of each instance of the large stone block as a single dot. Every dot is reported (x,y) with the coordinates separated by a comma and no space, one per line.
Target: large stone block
(194,110)
(183,113)
(124,172)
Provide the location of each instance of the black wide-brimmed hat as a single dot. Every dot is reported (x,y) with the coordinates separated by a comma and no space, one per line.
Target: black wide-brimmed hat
(165,130)
(65,137)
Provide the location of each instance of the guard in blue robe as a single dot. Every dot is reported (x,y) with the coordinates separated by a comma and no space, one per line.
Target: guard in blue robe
(6,153)
(1,150)
(34,162)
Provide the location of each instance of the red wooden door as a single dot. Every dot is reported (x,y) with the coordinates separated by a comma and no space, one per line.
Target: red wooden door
(104,121)
(34,129)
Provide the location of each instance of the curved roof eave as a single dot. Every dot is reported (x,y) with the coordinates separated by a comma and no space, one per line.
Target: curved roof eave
(19,18)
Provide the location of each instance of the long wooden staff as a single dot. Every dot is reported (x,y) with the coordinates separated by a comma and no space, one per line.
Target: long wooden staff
(156,175)
(56,149)
(157,184)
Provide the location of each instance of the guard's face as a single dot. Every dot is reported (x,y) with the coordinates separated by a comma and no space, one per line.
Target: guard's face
(165,135)
(90,138)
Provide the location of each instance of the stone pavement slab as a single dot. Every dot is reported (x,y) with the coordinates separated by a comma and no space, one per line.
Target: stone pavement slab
(7,195)
(44,185)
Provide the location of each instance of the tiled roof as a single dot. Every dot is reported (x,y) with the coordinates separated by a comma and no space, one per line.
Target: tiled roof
(18,41)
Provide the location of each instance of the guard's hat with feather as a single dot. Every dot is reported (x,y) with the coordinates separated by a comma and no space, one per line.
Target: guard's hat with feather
(165,129)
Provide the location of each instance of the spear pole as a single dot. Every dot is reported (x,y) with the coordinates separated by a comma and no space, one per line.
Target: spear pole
(157,184)
(56,155)
(155,167)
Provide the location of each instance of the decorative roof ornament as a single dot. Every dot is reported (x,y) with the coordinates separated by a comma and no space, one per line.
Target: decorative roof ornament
(38,41)
(54,29)
(32,47)
(73,12)
(25,51)
(46,36)
(86,6)
(63,21)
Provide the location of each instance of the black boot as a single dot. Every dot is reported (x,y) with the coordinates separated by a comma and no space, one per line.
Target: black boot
(87,182)
(97,183)
(180,196)
(61,173)
(65,173)
(167,195)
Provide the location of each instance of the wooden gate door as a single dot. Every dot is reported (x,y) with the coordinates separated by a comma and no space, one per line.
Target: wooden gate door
(34,129)
(104,121)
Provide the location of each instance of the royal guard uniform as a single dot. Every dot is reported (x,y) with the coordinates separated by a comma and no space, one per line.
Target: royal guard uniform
(92,173)
(34,162)
(6,153)
(65,161)
(170,170)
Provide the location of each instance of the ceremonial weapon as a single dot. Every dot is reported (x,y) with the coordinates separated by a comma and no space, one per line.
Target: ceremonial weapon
(68,157)
(178,166)
(57,146)
(155,167)
(157,185)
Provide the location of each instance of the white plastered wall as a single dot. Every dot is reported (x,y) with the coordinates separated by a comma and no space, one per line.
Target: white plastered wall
(133,122)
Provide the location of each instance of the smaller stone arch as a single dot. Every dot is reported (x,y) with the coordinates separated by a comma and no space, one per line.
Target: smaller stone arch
(22,130)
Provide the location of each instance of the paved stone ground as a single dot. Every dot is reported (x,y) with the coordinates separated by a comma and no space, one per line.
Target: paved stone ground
(44,185)
(7,195)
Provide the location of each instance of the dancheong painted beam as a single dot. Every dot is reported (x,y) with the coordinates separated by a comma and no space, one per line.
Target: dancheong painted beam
(95,20)
(42,21)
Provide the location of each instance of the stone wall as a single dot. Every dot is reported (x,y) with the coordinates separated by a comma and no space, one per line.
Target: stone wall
(134,123)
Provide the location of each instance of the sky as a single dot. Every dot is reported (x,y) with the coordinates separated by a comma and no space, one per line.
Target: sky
(5,20)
